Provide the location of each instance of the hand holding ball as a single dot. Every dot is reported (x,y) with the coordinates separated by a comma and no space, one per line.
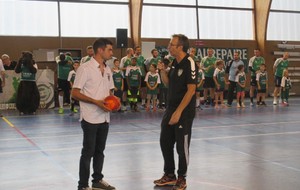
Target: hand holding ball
(112,102)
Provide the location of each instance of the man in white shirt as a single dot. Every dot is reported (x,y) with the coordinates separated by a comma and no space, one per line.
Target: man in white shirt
(2,80)
(93,83)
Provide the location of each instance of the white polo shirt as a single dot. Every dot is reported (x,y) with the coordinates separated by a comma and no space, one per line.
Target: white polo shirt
(93,84)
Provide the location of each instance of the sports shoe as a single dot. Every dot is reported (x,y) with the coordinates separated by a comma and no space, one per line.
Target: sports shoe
(274,102)
(243,105)
(251,104)
(180,184)
(102,185)
(285,103)
(228,105)
(263,103)
(85,188)
(238,105)
(166,180)
(74,110)
(61,110)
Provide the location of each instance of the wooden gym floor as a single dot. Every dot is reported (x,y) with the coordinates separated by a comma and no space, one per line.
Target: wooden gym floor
(231,149)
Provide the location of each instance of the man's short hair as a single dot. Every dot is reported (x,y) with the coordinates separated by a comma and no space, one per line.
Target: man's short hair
(153,50)
(182,41)
(101,43)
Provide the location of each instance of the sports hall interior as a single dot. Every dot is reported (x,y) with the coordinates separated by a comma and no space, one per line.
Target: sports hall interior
(255,148)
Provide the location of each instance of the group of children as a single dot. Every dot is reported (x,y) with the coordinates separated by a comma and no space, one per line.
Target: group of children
(240,79)
(130,81)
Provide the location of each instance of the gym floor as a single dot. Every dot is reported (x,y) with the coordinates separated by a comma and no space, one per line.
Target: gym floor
(256,148)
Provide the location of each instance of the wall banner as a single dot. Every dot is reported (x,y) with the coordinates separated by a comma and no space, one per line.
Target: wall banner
(44,81)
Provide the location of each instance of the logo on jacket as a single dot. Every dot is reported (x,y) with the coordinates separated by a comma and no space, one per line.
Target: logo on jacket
(180,71)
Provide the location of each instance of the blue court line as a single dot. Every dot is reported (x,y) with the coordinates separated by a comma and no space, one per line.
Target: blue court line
(60,167)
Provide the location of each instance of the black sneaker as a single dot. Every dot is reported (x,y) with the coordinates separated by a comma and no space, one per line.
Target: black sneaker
(166,180)
(263,103)
(102,185)
(180,184)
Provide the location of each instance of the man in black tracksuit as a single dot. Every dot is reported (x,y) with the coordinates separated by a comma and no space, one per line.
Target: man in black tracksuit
(177,121)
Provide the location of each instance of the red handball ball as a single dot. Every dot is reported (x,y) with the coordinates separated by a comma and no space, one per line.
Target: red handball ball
(112,102)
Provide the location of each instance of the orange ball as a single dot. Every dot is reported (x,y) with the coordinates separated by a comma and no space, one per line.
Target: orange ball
(112,102)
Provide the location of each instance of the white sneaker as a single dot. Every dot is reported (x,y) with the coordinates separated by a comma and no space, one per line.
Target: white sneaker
(274,102)
(238,105)
(243,105)
(251,104)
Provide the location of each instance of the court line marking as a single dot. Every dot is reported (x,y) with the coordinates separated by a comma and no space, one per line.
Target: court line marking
(258,157)
(39,149)
(8,122)
(157,142)
(158,130)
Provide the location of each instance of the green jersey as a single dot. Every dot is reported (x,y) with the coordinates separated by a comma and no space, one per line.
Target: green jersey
(154,60)
(125,62)
(255,63)
(152,80)
(85,59)
(26,75)
(286,83)
(280,64)
(199,78)
(71,77)
(220,76)
(209,64)
(133,73)
(118,78)
(240,78)
(63,69)
(141,63)
(262,78)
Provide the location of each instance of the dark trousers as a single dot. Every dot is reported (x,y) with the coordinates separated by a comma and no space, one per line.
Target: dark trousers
(180,134)
(285,94)
(231,88)
(163,95)
(94,140)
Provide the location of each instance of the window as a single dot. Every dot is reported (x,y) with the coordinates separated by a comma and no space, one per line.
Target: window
(226,3)
(93,20)
(225,24)
(283,21)
(28,18)
(283,26)
(292,5)
(163,22)
(175,2)
(117,1)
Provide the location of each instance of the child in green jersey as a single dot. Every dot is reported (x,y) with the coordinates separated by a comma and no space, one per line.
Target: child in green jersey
(63,69)
(152,80)
(71,79)
(118,79)
(219,79)
(286,85)
(240,80)
(262,85)
(200,81)
(133,76)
